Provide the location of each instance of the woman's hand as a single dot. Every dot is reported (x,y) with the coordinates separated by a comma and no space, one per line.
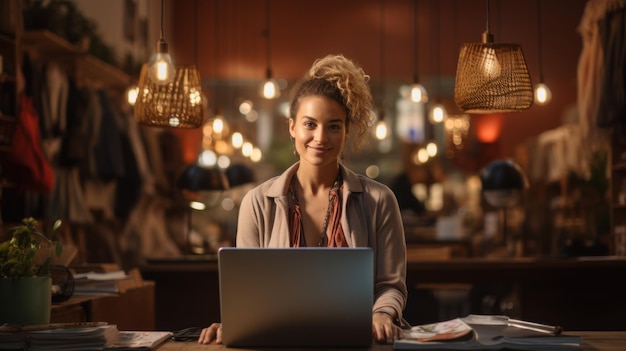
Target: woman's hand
(212,333)
(384,330)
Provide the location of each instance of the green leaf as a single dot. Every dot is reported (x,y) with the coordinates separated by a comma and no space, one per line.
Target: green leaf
(56,225)
(58,249)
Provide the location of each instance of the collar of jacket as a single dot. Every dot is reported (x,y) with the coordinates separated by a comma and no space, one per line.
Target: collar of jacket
(280,187)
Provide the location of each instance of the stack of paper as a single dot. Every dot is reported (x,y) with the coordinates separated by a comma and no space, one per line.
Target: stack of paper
(12,341)
(145,340)
(87,336)
(485,332)
(58,336)
(71,339)
(93,282)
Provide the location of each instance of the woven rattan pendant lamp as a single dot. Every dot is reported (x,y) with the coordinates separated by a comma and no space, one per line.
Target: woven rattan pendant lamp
(177,104)
(492,78)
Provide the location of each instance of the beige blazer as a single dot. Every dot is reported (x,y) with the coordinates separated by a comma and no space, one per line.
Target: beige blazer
(370,217)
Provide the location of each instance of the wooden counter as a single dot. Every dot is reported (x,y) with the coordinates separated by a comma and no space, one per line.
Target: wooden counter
(592,341)
(132,309)
(578,294)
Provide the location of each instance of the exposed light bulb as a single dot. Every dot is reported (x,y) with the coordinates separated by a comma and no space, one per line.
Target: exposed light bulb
(438,113)
(381,130)
(197,205)
(218,125)
(247,148)
(237,140)
(269,89)
(418,93)
(207,158)
(131,94)
(490,64)
(161,68)
(543,95)
(431,149)
(421,156)
(256,154)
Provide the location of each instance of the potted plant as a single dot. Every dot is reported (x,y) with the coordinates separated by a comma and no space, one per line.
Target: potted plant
(25,281)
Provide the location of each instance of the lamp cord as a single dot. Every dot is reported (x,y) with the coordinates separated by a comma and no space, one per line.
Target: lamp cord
(488,16)
(438,51)
(382,56)
(195,32)
(415,76)
(539,49)
(267,37)
(162,37)
(217,92)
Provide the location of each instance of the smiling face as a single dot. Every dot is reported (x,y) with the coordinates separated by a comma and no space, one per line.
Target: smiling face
(319,130)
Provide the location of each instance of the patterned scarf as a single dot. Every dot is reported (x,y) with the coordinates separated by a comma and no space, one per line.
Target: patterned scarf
(334,236)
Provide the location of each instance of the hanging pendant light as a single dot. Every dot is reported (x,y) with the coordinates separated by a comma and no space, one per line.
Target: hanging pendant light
(177,104)
(161,69)
(418,92)
(543,95)
(269,88)
(438,111)
(380,131)
(492,77)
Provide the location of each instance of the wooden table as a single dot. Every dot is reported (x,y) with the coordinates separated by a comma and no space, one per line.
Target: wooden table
(585,293)
(592,341)
(575,293)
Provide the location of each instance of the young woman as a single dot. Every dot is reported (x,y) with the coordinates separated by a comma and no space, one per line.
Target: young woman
(320,202)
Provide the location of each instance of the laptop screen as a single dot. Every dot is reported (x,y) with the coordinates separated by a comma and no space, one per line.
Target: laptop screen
(296,297)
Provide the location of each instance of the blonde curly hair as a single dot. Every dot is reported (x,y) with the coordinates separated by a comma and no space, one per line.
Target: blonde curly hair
(342,80)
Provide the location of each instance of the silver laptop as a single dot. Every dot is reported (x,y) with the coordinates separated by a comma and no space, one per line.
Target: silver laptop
(296,297)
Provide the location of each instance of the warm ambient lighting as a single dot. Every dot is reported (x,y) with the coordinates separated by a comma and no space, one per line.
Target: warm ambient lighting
(236,140)
(269,88)
(176,105)
(218,125)
(488,127)
(438,114)
(543,95)
(418,93)
(431,149)
(161,68)
(381,130)
(131,94)
(492,77)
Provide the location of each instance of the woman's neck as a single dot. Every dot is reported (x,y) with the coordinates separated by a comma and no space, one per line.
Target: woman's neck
(314,179)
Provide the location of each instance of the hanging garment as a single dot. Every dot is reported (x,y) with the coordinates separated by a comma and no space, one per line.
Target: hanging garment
(600,75)
(109,154)
(26,164)
(612,34)
(589,73)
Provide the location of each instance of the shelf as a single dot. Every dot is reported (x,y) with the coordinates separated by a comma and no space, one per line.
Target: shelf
(88,69)
(7,38)
(48,43)
(619,166)
(4,77)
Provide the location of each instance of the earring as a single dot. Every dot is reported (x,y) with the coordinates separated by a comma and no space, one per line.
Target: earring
(293,142)
(341,156)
